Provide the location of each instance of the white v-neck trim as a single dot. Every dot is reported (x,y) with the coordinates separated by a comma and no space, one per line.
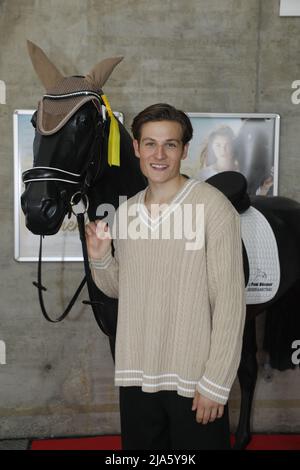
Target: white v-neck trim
(172,206)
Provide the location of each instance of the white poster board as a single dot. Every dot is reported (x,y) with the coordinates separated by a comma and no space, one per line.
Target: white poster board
(289,8)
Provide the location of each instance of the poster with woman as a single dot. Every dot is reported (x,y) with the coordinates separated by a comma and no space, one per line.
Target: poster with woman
(248,143)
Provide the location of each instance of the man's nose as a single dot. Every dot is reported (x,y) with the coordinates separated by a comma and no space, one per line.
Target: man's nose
(160,152)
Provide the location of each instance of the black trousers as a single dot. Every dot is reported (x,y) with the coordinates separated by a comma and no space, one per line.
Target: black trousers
(165,420)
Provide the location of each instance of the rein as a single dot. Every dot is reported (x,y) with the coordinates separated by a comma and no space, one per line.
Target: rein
(108,327)
(84,181)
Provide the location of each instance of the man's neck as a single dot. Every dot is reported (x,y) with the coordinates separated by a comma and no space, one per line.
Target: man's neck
(162,193)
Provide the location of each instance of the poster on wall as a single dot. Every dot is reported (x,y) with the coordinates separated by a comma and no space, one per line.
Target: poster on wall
(289,8)
(66,244)
(247,143)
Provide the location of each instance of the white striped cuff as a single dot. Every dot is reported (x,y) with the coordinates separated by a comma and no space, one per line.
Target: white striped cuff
(102,263)
(213,391)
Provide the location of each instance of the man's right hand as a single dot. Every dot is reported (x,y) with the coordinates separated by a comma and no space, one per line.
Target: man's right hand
(98,239)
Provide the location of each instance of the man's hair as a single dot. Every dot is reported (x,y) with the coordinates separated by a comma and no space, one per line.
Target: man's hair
(162,112)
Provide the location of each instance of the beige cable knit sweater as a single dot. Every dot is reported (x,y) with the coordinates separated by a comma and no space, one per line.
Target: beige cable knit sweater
(181,311)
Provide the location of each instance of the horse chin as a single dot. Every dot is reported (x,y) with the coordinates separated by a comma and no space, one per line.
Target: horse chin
(39,225)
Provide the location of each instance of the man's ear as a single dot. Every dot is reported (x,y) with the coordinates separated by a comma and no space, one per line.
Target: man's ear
(185,151)
(136,148)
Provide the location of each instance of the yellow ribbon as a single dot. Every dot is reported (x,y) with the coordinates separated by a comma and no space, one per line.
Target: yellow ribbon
(114,136)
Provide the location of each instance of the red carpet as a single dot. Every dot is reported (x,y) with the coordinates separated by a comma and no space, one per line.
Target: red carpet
(82,443)
(259,442)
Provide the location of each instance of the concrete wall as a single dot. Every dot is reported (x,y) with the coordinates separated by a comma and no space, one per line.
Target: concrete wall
(200,55)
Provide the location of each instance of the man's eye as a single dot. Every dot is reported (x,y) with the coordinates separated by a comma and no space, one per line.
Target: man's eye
(149,144)
(171,145)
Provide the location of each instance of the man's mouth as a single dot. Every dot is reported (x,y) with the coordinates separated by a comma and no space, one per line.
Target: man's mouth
(159,167)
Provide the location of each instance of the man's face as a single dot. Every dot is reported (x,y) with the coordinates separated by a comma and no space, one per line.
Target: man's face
(160,150)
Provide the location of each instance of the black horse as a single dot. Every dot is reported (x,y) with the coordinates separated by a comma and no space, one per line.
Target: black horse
(74,158)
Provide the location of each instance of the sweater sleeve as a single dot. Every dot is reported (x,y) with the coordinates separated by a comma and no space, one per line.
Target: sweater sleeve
(226,285)
(105,272)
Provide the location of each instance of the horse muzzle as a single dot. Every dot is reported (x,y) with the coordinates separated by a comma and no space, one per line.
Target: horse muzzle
(43,202)
(43,215)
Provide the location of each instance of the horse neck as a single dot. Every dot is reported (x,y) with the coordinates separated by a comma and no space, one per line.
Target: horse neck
(125,180)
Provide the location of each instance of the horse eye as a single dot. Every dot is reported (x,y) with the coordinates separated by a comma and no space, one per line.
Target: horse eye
(83,120)
(33,119)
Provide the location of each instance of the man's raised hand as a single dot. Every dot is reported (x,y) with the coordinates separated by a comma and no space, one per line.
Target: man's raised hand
(98,239)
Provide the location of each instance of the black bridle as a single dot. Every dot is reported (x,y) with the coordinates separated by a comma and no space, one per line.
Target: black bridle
(46,173)
(82,183)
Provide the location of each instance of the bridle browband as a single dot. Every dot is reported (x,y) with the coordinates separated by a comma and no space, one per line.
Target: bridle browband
(73,94)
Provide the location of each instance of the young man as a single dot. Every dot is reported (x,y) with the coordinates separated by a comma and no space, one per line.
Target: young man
(181,306)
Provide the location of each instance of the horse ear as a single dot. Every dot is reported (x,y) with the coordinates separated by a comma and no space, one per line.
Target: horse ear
(100,72)
(46,71)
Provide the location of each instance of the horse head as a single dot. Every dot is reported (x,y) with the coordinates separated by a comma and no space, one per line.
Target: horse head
(71,147)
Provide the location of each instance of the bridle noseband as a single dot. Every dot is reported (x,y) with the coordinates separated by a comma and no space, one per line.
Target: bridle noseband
(47,173)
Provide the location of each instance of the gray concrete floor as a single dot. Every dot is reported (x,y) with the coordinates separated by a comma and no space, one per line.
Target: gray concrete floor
(14,444)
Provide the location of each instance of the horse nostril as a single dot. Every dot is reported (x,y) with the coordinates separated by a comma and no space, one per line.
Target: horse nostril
(49,208)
